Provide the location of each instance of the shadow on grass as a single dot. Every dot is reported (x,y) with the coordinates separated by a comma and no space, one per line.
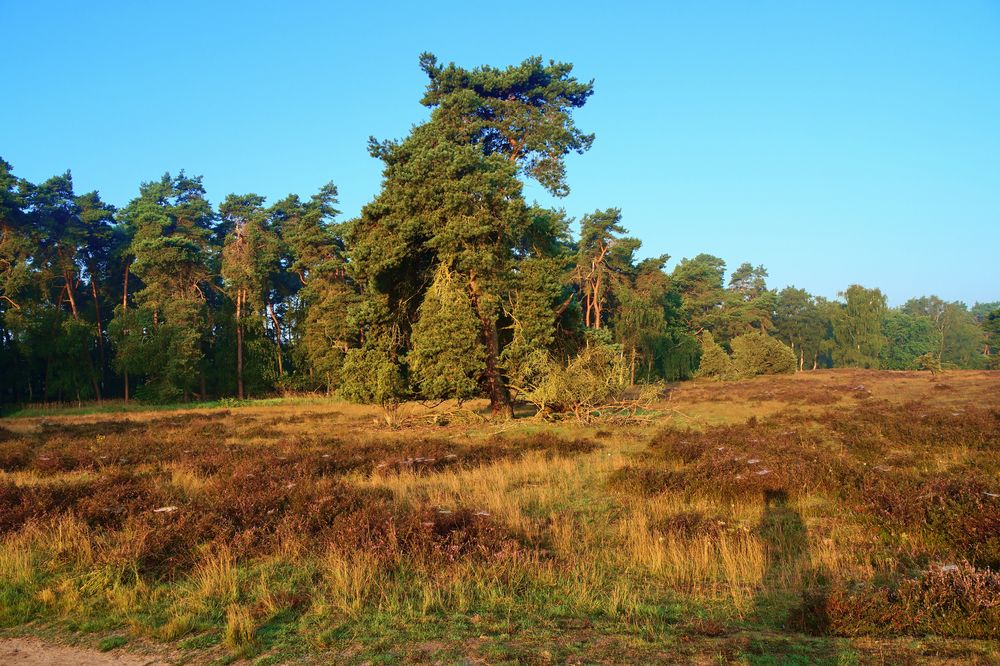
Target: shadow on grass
(793,595)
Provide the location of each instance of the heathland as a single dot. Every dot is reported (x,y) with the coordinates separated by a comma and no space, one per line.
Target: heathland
(837,516)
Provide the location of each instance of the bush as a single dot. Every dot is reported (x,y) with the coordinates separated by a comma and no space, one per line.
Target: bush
(372,376)
(930,362)
(715,362)
(760,354)
(446,359)
(753,354)
(595,380)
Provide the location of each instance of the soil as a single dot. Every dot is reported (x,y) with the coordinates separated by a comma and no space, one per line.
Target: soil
(33,652)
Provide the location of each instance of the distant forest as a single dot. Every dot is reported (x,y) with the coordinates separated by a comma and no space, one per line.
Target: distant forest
(449,285)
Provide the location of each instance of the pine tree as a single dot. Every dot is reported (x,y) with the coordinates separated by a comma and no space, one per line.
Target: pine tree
(172,245)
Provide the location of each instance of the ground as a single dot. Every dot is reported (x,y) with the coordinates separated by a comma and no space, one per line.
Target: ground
(826,517)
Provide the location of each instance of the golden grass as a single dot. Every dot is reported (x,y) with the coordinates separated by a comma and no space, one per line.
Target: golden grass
(239,631)
(351,580)
(586,549)
(16,561)
(188,482)
(215,578)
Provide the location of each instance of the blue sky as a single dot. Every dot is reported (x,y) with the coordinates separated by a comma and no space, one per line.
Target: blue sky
(833,142)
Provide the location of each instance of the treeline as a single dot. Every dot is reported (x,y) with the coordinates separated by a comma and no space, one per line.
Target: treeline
(448,285)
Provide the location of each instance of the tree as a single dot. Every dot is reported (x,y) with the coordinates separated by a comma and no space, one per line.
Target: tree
(908,338)
(540,310)
(800,324)
(991,328)
(715,362)
(748,305)
(603,254)
(249,258)
(857,329)
(523,113)
(444,205)
(959,335)
(640,322)
(447,359)
(173,225)
(325,293)
(699,282)
(757,353)
(15,243)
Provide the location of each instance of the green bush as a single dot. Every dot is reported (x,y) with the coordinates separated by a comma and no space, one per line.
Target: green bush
(715,362)
(372,376)
(930,362)
(753,354)
(760,354)
(594,383)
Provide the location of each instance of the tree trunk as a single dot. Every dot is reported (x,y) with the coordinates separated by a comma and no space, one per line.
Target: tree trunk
(124,313)
(100,327)
(596,300)
(500,402)
(125,288)
(239,344)
(277,337)
(632,369)
(69,293)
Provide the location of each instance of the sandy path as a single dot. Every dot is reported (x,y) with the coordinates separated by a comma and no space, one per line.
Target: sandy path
(33,652)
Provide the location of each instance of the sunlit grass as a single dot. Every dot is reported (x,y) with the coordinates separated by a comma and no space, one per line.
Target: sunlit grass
(561,543)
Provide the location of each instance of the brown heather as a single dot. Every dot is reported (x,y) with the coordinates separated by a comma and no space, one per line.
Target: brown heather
(833,517)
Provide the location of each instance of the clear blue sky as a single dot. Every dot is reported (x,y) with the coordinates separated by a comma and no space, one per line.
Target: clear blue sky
(834,142)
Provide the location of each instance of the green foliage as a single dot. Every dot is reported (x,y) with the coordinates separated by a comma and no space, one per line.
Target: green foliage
(909,338)
(172,223)
(373,376)
(448,281)
(991,331)
(800,323)
(715,362)
(857,328)
(318,277)
(595,379)
(700,282)
(522,113)
(928,361)
(447,358)
(753,354)
(760,354)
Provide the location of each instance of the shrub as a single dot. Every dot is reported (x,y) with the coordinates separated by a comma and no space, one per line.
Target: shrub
(760,354)
(715,362)
(596,380)
(446,359)
(930,362)
(372,376)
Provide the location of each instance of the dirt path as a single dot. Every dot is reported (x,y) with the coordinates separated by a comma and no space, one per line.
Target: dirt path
(33,652)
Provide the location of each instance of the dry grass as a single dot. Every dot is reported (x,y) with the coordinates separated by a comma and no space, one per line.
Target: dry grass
(285,527)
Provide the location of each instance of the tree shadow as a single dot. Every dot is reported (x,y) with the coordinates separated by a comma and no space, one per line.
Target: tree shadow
(793,593)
